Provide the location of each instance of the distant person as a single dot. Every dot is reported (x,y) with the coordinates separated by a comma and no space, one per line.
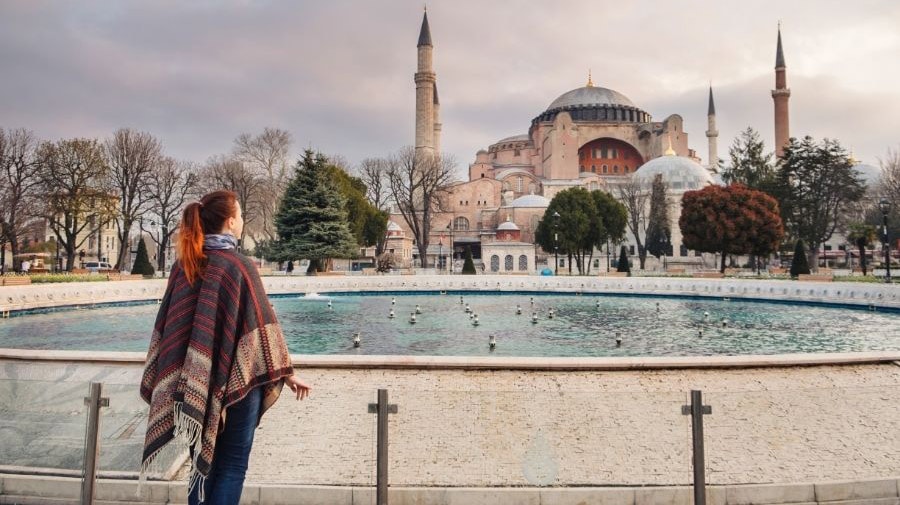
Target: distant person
(290,266)
(216,349)
(26,266)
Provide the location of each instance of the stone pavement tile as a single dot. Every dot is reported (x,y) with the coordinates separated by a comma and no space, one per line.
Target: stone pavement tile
(770,493)
(598,496)
(42,486)
(126,491)
(490,496)
(417,496)
(305,495)
(841,491)
(865,501)
(664,496)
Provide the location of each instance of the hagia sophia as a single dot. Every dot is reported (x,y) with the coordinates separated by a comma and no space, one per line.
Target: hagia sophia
(590,137)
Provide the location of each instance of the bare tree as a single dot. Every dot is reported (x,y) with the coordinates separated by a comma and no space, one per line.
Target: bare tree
(225,172)
(635,197)
(73,192)
(889,184)
(132,157)
(373,173)
(172,184)
(18,183)
(418,180)
(267,156)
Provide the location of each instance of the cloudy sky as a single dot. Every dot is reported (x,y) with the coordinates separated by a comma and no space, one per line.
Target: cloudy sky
(338,74)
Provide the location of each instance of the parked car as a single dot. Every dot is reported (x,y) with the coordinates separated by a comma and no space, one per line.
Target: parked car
(97,266)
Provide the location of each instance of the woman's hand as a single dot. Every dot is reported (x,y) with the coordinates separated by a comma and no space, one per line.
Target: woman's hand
(298,386)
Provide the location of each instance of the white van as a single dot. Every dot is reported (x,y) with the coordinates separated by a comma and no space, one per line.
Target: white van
(97,266)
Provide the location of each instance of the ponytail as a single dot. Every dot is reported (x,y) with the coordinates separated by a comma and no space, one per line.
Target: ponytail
(190,242)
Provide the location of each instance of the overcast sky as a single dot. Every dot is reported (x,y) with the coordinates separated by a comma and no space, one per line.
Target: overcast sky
(338,74)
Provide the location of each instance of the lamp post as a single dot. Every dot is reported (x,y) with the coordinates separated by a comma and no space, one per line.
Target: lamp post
(885,206)
(666,238)
(556,242)
(607,254)
(450,229)
(157,228)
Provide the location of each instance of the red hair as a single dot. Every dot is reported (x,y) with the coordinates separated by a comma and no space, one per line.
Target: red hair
(200,218)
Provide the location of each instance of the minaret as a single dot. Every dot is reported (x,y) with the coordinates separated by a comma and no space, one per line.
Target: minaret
(712,135)
(425,86)
(437,122)
(780,95)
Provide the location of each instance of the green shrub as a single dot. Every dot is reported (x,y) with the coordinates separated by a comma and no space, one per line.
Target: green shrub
(800,264)
(622,265)
(142,264)
(469,265)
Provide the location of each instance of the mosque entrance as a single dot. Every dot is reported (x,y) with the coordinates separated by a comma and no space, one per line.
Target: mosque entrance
(609,156)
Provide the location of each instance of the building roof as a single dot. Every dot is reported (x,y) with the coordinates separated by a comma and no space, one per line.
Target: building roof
(507,225)
(392,226)
(590,95)
(779,52)
(678,172)
(870,174)
(425,32)
(711,110)
(515,138)
(537,201)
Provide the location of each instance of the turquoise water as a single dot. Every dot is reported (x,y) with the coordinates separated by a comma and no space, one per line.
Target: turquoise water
(647,326)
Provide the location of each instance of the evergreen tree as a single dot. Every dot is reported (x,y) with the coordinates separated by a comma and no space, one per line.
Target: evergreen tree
(469,265)
(367,223)
(800,265)
(815,186)
(750,164)
(576,231)
(312,217)
(659,228)
(622,265)
(142,264)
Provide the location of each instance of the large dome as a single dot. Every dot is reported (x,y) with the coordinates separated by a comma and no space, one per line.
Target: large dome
(590,96)
(679,173)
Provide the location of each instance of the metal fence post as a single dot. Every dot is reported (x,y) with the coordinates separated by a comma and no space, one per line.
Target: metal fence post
(92,442)
(696,410)
(382,409)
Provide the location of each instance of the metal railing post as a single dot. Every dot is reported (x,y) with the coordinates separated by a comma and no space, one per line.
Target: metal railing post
(696,410)
(382,409)
(92,442)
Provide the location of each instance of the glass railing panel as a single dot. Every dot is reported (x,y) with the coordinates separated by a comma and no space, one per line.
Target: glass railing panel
(42,424)
(803,435)
(541,438)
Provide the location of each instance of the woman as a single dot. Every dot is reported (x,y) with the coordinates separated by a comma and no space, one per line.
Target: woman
(217,359)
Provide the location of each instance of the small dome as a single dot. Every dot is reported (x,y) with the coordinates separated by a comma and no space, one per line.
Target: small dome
(679,173)
(508,225)
(530,201)
(392,226)
(870,174)
(590,95)
(515,138)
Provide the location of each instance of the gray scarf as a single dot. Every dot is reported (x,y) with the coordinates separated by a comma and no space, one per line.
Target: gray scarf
(219,241)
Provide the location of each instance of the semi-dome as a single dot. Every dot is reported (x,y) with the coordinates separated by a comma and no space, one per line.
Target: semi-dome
(679,173)
(870,174)
(530,201)
(590,96)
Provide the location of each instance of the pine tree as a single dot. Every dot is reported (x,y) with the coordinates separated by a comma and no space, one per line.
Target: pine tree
(659,228)
(142,264)
(800,265)
(622,265)
(312,217)
(469,265)
(750,164)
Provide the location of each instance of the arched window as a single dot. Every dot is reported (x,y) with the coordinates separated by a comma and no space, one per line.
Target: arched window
(460,224)
(523,263)
(495,263)
(594,168)
(605,169)
(508,263)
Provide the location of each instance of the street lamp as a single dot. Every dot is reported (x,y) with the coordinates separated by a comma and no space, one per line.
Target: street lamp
(556,241)
(885,206)
(607,254)
(450,229)
(665,250)
(159,228)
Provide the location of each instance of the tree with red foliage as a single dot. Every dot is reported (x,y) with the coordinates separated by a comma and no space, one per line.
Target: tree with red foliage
(730,220)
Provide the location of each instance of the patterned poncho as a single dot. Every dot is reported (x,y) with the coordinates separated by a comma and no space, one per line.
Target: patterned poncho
(212,343)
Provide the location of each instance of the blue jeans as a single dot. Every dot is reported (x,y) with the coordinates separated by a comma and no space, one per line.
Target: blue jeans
(229,465)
